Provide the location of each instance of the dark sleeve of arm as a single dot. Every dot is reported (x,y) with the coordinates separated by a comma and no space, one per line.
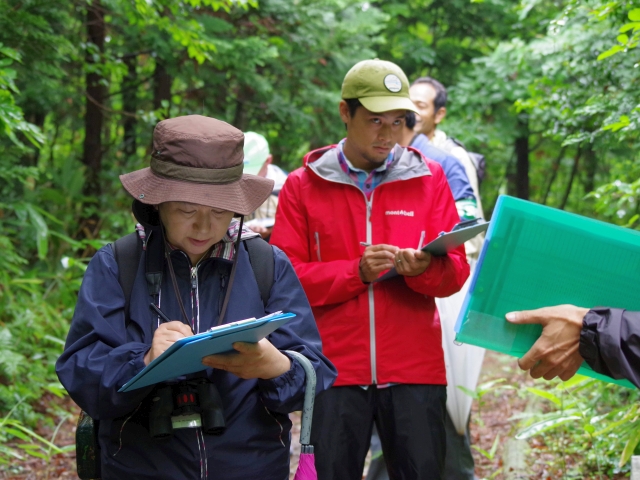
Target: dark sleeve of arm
(285,393)
(457,179)
(610,342)
(97,358)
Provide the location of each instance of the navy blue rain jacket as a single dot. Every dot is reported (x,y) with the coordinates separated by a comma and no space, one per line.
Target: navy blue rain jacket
(453,169)
(102,352)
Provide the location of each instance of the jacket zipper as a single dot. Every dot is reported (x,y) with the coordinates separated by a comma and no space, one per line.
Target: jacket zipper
(372,313)
(195,304)
(195,322)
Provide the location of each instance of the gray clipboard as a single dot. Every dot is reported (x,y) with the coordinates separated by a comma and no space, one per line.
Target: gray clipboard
(185,355)
(445,242)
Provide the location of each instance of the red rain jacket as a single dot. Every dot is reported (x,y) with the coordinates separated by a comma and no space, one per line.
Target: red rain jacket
(384,331)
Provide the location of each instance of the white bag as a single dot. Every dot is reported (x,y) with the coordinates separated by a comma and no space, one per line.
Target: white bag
(463,362)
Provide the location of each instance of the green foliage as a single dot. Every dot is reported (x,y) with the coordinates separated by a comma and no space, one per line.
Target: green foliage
(587,418)
(626,42)
(492,452)
(31,443)
(11,117)
(619,201)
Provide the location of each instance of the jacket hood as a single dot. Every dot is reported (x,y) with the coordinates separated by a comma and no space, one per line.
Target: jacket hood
(407,163)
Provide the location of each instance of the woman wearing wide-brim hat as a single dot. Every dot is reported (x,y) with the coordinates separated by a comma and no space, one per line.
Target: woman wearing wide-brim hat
(195,267)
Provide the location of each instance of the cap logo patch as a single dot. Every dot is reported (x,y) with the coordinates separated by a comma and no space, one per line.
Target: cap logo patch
(393,83)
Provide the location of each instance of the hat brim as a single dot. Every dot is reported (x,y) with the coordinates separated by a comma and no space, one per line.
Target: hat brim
(242,197)
(387,103)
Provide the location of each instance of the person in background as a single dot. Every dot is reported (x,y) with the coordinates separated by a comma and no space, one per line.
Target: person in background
(355,210)
(608,339)
(430,98)
(258,161)
(457,178)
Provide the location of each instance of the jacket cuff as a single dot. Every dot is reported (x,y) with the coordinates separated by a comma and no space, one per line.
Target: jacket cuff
(428,278)
(589,345)
(134,353)
(356,273)
(286,379)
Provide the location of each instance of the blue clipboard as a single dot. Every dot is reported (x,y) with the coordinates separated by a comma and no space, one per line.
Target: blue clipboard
(445,242)
(185,355)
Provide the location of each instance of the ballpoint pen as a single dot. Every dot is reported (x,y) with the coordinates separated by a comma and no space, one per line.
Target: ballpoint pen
(365,244)
(160,313)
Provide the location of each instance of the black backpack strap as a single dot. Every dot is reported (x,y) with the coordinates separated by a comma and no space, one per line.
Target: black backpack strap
(263,265)
(127,251)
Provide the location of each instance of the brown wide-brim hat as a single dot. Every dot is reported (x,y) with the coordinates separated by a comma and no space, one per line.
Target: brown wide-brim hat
(198,160)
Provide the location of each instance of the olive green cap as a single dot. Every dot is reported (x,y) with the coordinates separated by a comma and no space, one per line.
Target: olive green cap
(380,86)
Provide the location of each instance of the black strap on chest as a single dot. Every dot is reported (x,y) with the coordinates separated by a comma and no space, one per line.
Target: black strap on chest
(128,249)
(262,262)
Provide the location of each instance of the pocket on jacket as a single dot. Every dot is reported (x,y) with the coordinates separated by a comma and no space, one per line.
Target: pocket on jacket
(317,246)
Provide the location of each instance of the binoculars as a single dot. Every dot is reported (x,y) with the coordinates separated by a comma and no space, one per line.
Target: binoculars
(188,404)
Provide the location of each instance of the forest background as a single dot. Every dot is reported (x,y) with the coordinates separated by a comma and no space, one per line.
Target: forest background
(547,90)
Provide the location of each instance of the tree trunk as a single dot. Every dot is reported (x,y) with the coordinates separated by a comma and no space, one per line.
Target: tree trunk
(574,170)
(37,118)
(240,117)
(553,174)
(130,105)
(161,87)
(243,107)
(95,95)
(590,166)
(522,158)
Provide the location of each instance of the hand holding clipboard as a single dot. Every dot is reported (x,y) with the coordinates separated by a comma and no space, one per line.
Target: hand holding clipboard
(185,355)
(445,242)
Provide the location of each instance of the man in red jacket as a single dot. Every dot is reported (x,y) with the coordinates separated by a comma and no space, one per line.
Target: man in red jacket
(353,211)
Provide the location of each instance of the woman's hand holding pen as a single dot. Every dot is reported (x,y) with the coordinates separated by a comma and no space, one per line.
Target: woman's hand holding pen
(165,335)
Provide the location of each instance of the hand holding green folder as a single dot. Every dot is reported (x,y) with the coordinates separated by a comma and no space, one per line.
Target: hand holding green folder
(535,256)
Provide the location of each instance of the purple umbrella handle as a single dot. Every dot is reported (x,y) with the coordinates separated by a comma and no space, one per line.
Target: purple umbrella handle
(309,398)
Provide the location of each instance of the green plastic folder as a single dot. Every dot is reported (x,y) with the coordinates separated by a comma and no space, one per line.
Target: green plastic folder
(536,256)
